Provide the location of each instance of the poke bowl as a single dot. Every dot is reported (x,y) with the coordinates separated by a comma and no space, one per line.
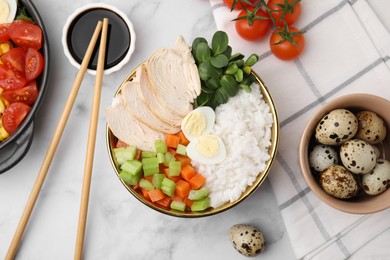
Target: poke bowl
(15,145)
(196,173)
(361,196)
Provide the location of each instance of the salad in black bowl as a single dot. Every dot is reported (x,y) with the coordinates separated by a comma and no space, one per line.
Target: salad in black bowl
(24,67)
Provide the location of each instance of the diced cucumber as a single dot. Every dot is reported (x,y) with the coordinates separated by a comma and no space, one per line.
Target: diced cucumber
(161,146)
(181,149)
(150,166)
(129,153)
(168,158)
(200,205)
(160,157)
(174,168)
(130,179)
(123,154)
(168,187)
(178,205)
(118,153)
(157,179)
(133,167)
(145,184)
(198,194)
(146,154)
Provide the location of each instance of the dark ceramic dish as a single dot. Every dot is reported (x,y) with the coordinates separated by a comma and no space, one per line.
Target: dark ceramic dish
(17,145)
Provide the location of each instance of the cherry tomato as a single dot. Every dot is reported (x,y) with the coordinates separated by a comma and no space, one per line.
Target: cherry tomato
(27,95)
(239,4)
(11,79)
(285,50)
(4,36)
(257,31)
(14,115)
(33,64)
(26,34)
(292,11)
(15,58)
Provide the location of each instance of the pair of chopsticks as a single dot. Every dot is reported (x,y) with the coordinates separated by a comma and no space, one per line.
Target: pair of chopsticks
(101,28)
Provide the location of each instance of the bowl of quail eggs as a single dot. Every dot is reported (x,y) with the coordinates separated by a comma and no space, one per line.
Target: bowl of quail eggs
(345,153)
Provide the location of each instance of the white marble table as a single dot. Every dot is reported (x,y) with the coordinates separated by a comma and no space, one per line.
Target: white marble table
(118,226)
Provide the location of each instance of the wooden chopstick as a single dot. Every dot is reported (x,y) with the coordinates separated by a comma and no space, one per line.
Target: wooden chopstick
(53,146)
(91,144)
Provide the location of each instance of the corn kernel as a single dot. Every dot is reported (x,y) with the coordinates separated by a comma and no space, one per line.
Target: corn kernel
(3,134)
(2,107)
(5,47)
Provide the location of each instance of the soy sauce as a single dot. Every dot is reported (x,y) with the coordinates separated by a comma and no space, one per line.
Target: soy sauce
(81,31)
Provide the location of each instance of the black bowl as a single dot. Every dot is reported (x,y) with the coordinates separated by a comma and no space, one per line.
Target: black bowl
(17,145)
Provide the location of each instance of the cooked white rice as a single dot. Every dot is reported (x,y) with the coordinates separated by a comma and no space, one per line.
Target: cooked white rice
(244,124)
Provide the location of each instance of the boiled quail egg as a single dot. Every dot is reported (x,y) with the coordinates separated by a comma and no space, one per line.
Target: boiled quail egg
(378,180)
(337,127)
(199,121)
(207,149)
(358,156)
(372,128)
(247,239)
(7,10)
(338,182)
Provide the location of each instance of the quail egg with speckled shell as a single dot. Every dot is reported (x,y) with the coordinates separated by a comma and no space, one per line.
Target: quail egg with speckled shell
(247,239)
(322,156)
(336,127)
(358,156)
(338,182)
(372,128)
(378,180)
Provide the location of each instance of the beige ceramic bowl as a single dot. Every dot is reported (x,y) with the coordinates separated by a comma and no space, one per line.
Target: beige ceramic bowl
(111,141)
(364,204)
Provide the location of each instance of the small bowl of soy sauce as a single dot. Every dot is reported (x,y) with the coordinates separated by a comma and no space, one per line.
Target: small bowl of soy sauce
(78,30)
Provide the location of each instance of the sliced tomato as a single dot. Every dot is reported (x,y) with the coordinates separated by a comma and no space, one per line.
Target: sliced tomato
(15,58)
(27,95)
(33,64)
(4,36)
(11,79)
(14,115)
(26,34)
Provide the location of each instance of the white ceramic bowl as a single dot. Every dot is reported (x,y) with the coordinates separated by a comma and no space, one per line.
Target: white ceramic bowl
(76,58)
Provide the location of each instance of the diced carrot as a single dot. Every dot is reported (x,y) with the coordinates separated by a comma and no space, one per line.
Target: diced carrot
(188,202)
(172,151)
(187,172)
(162,167)
(156,195)
(172,140)
(120,143)
(165,202)
(166,171)
(197,181)
(145,193)
(182,188)
(174,178)
(149,178)
(177,198)
(135,187)
(185,160)
(183,138)
(138,154)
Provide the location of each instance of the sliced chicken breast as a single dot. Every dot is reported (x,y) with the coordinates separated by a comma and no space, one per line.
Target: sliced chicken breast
(156,104)
(174,76)
(141,111)
(128,129)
